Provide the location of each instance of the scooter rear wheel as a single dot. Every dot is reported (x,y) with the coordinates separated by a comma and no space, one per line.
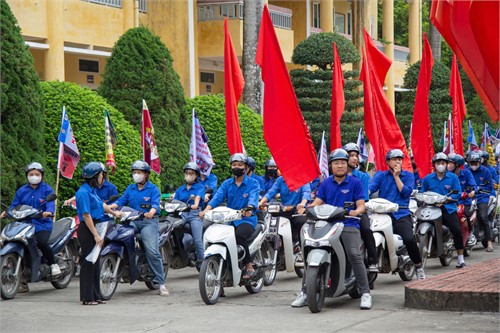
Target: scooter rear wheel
(108,283)
(316,282)
(10,284)
(210,286)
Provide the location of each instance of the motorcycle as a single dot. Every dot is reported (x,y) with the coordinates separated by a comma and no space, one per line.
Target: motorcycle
(328,271)
(434,239)
(74,243)
(494,227)
(21,258)
(222,265)
(279,235)
(392,254)
(123,259)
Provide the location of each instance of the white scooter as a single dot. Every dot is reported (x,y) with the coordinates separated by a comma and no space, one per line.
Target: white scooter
(392,254)
(222,265)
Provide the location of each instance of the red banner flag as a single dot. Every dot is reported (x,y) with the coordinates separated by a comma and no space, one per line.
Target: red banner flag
(233,87)
(338,100)
(458,107)
(381,126)
(471,29)
(422,146)
(148,140)
(285,130)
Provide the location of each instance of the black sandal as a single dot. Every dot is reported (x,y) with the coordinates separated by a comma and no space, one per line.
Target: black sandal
(101,302)
(249,273)
(90,303)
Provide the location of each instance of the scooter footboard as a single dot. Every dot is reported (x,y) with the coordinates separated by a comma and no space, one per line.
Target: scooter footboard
(379,239)
(317,257)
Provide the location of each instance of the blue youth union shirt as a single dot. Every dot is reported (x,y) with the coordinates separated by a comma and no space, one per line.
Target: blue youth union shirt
(87,201)
(27,195)
(288,198)
(183,193)
(443,186)
(384,182)
(141,200)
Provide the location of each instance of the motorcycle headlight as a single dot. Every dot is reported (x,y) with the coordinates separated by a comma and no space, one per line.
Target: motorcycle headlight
(317,243)
(273,209)
(170,208)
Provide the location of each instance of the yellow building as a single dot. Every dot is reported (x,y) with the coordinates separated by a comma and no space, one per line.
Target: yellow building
(72,39)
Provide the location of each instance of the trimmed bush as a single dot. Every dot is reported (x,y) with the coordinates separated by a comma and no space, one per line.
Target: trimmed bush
(140,67)
(210,110)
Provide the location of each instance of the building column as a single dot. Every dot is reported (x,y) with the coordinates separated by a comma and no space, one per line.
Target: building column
(414,38)
(128,14)
(388,36)
(326,15)
(54,56)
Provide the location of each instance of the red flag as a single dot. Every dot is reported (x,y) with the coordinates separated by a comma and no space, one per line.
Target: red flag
(233,87)
(148,140)
(381,126)
(458,107)
(338,101)
(471,29)
(421,134)
(285,130)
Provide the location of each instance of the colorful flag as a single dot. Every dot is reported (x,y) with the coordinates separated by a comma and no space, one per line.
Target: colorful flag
(323,158)
(148,140)
(68,151)
(338,101)
(447,136)
(363,153)
(198,150)
(110,136)
(422,147)
(285,130)
(381,126)
(471,138)
(233,87)
(489,142)
(371,157)
(458,107)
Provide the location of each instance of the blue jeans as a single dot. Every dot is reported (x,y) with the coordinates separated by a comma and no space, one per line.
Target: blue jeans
(196,231)
(149,229)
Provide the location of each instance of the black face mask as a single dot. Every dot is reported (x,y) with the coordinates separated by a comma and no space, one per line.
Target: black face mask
(238,172)
(271,173)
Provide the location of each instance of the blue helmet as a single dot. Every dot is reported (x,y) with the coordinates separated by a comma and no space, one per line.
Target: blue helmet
(270,163)
(91,169)
(484,155)
(474,157)
(140,165)
(456,158)
(338,154)
(251,163)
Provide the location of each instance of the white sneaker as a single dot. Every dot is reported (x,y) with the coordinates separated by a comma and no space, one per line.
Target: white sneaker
(366,302)
(300,301)
(373,268)
(163,292)
(420,273)
(55,270)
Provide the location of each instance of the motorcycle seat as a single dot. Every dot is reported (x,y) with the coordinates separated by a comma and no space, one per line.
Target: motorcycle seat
(59,228)
(258,229)
(163,226)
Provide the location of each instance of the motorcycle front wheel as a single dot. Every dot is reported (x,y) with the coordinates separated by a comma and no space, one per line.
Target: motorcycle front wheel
(423,246)
(65,256)
(108,283)
(210,287)
(316,282)
(10,283)
(445,259)
(270,270)
(408,272)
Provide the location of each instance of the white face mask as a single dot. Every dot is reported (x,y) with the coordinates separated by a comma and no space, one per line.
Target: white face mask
(474,167)
(138,178)
(189,179)
(441,168)
(34,180)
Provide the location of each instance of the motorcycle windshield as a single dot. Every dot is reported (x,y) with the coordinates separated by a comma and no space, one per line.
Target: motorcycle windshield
(326,212)
(22,212)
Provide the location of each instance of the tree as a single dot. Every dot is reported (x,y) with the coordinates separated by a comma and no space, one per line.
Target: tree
(140,67)
(22,108)
(314,88)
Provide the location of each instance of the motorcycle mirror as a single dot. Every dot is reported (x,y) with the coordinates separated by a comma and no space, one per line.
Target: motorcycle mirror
(51,197)
(209,191)
(113,198)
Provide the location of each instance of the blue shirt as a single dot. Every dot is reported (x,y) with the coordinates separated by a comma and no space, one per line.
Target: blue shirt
(106,191)
(196,189)
(466,180)
(27,195)
(268,183)
(384,182)
(259,179)
(418,181)
(238,197)
(87,201)
(141,200)
(482,176)
(288,198)
(443,186)
(365,180)
(209,182)
(314,184)
(494,174)
(335,194)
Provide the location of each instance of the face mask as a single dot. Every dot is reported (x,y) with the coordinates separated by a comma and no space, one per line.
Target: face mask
(138,178)
(238,171)
(441,168)
(189,179)
(34,180)
(271,173)
(474,167)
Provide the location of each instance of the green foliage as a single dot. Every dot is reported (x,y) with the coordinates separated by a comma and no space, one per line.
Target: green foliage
(22,108)
(317,50)
(140,67)
(85,110)
(210,110)
(476,113)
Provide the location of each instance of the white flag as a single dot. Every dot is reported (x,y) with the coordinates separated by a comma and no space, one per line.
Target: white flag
(198,150)
(323,158)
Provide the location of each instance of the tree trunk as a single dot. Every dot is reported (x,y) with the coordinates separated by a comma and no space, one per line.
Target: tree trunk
(434,40)
(252,93)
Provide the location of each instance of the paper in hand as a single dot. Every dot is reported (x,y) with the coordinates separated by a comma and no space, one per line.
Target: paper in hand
(101,230)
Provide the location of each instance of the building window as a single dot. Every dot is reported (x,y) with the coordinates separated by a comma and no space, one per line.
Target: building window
(207,77)
(90,66)
(228,10)
(315,15)
(205,13)
(339,23)
(349,23)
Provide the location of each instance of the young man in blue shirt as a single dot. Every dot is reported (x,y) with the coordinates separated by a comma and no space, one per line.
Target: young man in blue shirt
(336,190)
(144,196)
(270,175)
(443,182)
(396,186)
(210,184)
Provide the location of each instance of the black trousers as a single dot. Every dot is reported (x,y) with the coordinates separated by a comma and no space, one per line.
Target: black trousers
(451,221)
(42,238)
(367,236)
(89,272)
(242,232)
(482,218)
(404,228)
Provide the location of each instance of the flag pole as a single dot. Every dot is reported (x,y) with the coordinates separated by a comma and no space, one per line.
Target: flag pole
(58,168)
